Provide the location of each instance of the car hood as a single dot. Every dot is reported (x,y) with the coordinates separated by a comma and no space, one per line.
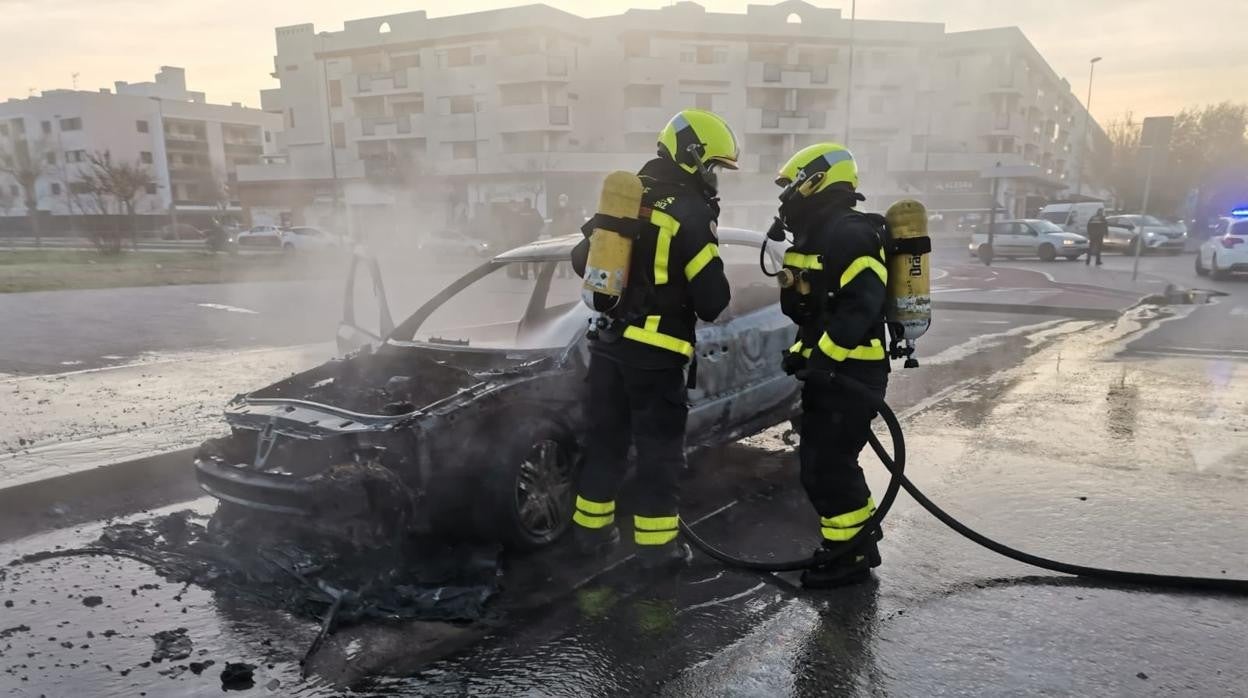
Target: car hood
(1073,237)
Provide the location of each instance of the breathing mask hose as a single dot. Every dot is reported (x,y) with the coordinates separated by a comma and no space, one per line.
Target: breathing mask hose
(896,465)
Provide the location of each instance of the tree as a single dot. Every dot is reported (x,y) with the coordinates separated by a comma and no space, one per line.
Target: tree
(119,184)
(27,163)
(1124,142)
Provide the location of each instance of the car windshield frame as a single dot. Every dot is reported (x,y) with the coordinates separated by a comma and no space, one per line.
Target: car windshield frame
(1057,218)
(1042,226)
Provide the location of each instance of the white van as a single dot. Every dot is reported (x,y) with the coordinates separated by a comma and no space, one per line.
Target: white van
(1073,218)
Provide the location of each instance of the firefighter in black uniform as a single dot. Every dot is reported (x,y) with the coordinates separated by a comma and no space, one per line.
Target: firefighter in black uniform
(637,381)
(836,274)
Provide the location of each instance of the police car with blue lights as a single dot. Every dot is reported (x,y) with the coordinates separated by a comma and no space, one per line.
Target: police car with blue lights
(1226,250)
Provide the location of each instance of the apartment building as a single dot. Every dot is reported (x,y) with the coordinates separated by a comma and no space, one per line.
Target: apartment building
(406,122)
(192,150)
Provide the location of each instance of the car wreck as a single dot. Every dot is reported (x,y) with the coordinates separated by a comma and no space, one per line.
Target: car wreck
(475,429)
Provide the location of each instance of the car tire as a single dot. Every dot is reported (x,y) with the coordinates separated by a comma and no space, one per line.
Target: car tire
(1047,252)
(533,495)
(1200,267)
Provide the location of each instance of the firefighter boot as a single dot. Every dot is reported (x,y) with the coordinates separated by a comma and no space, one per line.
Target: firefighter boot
(843,569)
(674,554)
(595,542)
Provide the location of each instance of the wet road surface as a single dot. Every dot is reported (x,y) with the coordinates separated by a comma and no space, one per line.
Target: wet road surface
(1080,453)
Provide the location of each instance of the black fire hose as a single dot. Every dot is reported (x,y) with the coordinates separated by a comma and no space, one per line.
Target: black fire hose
(896,465)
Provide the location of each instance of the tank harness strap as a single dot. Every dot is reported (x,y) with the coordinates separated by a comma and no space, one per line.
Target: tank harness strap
(912,246)
(628,227)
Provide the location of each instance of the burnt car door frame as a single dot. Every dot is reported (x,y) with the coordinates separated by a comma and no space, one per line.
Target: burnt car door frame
(351,336)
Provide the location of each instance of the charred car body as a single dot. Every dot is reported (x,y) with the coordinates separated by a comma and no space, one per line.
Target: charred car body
(476,429)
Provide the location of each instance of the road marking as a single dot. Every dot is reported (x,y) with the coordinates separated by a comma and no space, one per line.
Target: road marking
(938,274)
(227,308)
(1240,311)
(1188,353)
(189,355)
(993,322)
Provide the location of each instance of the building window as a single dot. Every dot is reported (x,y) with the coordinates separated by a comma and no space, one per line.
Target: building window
(463,150)
(76,156)
(339,135)
(150,188)
(290,121)
(462,104)
(46,126)
(79,188)
(145,157)
(335,93)
(74,124)
(56,189)
(636,46)
(457,57)
(50,158)
(141,126)
(401,62)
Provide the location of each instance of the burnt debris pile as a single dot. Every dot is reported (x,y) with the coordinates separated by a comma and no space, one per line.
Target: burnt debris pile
(275,567)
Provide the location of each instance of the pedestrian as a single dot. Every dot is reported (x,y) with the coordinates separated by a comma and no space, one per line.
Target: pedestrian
(637,381)
(1098,228)
(837,300)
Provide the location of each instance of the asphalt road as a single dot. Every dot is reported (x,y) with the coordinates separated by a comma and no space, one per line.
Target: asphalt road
(1075,451)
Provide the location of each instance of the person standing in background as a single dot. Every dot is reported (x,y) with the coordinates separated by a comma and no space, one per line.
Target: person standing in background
(1098,228)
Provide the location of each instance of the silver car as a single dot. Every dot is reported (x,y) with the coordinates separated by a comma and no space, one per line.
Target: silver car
(1029,237)
(1126,231)
(468,418)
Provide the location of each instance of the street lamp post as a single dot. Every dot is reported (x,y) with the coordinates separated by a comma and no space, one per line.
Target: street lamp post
(1087,117)
(164,154)
(849,88)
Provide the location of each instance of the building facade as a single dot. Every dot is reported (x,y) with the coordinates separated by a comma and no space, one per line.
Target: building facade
(401,123)
(191,149)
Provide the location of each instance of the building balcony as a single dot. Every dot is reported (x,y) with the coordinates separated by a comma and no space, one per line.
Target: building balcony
(533,67)
(715,72)
(393,82)
(951,162)
(460,127)
(646,70)
(646,119)
(759,74)
(386,127)
(786,121)
(533,117)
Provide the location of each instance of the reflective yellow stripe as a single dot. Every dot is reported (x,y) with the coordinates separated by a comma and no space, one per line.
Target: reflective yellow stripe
(807,352)
(593,520)
(802,261)
(871,352)
(653,537)
(701,259)
(839,534)
(797,346)
(650,335)
(654,530)
(656,523)
(592,507)
(668,227)
(858,265)
(856,517)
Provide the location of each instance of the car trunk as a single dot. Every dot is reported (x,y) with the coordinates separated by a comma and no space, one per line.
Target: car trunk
(390,383)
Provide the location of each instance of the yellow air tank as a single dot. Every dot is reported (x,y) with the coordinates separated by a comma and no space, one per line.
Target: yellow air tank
(611,243)
(909,306)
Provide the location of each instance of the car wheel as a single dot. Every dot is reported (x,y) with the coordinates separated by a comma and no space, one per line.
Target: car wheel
(985,253)
(1047,252)
(1200,267)
(534,497)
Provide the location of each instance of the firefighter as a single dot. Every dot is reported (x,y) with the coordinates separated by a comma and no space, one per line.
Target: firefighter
(637,380)
(837,278)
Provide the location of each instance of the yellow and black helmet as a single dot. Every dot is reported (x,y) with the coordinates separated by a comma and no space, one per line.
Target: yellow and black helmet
(697,140)
(818,167)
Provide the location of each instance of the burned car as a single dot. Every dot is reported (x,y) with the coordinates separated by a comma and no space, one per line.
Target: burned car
(468,419)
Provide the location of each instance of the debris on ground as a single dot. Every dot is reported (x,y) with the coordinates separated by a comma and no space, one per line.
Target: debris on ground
(172,645)
(92,601)
(238,676)
(198,668)
(9,632)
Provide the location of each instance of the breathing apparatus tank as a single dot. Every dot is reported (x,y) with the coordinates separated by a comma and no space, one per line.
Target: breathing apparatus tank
(614,228)
(909,306)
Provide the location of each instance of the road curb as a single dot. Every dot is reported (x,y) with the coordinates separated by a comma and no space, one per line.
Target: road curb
(108,490)
(1076,313)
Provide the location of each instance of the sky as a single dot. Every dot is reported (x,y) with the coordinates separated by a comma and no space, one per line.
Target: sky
(1159,55)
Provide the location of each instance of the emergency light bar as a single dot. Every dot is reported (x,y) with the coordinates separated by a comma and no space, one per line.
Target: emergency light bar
(1241,212)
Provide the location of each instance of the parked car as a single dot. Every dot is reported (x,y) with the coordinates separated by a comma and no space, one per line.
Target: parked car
(1029,237)
(298,238)
(260,237)
(1072,217)
(452,242)
(1226,250)
(469,417)
(1126,231)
